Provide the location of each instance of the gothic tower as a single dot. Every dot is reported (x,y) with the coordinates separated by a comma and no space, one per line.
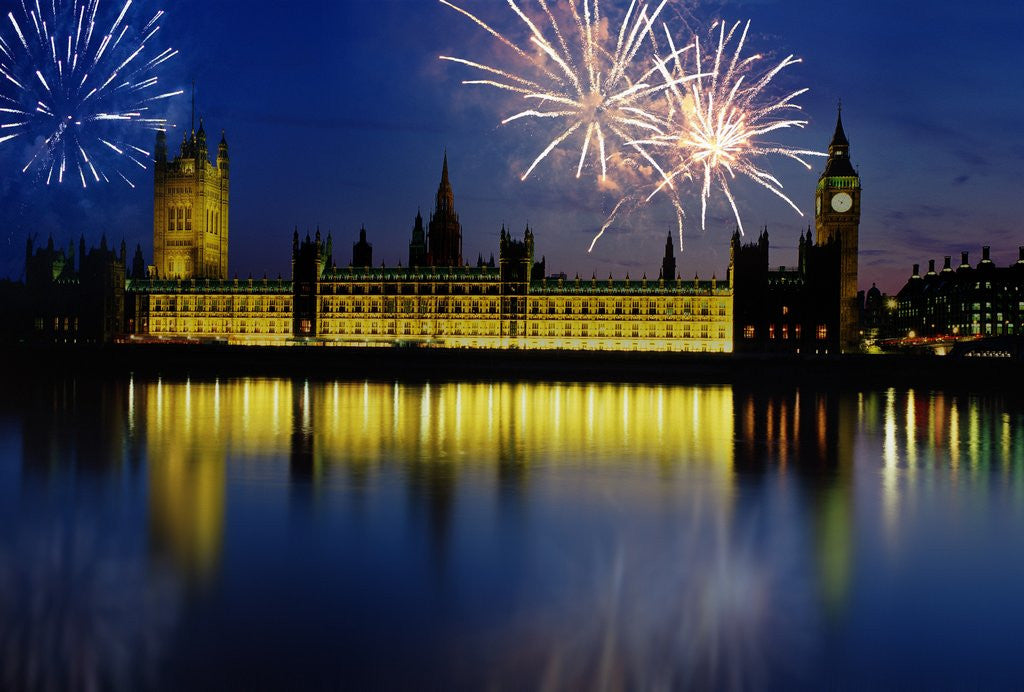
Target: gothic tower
(837,220)
(190,209)
(444,234)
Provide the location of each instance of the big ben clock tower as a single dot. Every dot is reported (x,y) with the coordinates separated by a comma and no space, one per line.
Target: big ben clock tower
(837,219)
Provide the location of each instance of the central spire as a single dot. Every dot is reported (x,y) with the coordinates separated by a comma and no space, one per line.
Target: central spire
(444,234)
(445,196)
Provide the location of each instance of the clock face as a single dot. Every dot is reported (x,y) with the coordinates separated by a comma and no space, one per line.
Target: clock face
(842,202)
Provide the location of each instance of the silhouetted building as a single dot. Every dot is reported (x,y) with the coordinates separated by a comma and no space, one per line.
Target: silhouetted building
(789,309)
(362,252)
(969,301)
(66,305)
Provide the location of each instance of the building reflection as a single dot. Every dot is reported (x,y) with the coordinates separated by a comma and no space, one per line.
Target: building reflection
(76,425)
(193,430)
(811,436)
(439,440)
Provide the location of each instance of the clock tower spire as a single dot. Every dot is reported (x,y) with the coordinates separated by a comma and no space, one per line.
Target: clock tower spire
(837,220)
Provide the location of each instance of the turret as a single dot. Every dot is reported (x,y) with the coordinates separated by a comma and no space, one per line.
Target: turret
(418,243)
(138,264)
(668,262)
(362,251)
(986,260)
(222,155)
(160,151)
(202,155)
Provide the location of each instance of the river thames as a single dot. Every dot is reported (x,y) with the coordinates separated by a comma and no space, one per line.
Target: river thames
(291,533)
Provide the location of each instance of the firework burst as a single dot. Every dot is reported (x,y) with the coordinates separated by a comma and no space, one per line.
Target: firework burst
(73,81)
(716,124)
(600,85)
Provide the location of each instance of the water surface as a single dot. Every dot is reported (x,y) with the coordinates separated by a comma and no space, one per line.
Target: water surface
(254,533)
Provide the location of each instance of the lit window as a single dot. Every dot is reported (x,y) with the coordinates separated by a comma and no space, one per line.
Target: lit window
(822,332)
(748,331)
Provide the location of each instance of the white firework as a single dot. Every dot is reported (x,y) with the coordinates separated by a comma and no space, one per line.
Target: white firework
(601,86)
(77,79)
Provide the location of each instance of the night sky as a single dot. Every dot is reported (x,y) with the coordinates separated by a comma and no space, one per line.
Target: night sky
(338,113)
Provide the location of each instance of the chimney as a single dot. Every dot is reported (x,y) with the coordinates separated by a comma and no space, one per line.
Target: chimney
(946,266)
(963,260)
(917,272)
(1020,254)
(985,254)
(931,266)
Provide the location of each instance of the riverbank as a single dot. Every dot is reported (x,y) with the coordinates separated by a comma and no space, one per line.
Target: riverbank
(215,360)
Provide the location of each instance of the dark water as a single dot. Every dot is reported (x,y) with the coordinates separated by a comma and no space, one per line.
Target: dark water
(288,534)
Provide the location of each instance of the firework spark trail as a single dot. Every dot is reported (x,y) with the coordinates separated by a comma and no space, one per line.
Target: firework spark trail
(715,125)
(71,81)
(595,81)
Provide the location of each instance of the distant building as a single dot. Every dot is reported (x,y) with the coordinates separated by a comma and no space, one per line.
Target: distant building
(190,209)
(438,299)
(968,301)
(67,306)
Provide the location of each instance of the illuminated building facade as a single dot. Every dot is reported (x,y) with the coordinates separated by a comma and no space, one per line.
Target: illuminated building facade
(508,306)
(968,301)
(438,301)
(251,311)
(190,209)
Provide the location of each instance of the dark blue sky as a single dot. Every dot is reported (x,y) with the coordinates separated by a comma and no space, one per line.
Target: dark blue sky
(337,114)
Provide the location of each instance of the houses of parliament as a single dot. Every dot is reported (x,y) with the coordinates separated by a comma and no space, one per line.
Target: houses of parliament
(437,299)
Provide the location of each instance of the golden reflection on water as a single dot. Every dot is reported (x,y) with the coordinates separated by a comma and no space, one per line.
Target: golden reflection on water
(192,428)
